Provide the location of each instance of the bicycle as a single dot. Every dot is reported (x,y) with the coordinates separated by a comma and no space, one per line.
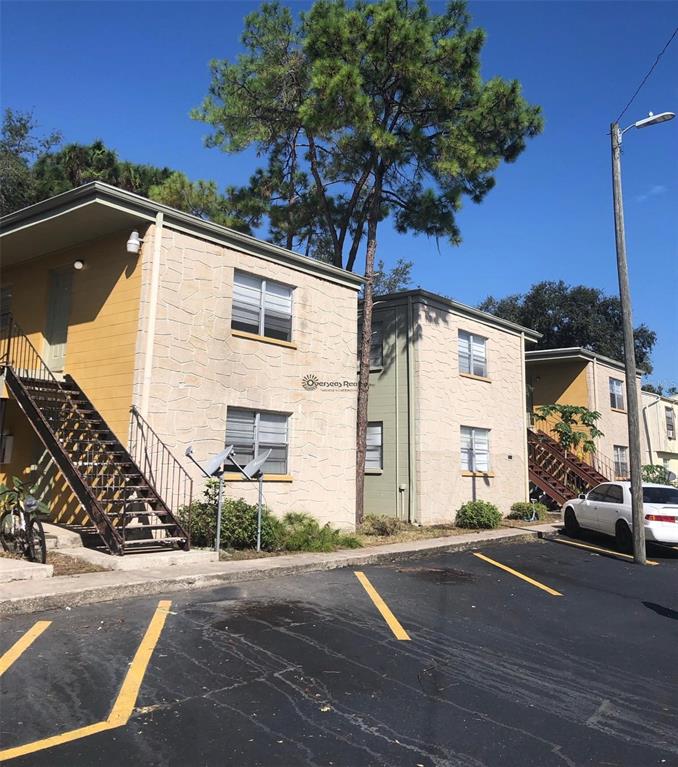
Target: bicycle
(21,531)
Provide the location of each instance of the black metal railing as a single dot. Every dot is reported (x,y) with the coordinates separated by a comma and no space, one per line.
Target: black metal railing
(169,478)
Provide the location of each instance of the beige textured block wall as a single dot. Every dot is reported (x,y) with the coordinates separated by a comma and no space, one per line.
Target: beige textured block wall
(199,369)
(445,401)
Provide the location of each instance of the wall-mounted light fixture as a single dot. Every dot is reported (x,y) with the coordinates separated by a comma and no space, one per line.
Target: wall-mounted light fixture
(134,243)
(78,264)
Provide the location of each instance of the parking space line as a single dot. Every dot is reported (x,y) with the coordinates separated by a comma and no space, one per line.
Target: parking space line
(383,608)
(124,704)
(21,645)
(525,578)
(600,550)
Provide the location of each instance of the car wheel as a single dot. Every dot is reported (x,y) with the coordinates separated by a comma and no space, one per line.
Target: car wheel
(572,527)
(623,537)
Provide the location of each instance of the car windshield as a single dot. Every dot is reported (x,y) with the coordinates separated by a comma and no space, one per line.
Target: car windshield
(660,495)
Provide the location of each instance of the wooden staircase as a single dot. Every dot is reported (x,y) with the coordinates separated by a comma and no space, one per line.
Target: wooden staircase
(556,472)
(127,510)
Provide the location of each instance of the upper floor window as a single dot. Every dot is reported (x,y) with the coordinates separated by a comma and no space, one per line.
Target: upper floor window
(670,423)
(263,307)
(252,432)
(376,345)
(374,456)
(475,449)
(616,394)
(621,462)
(472,354)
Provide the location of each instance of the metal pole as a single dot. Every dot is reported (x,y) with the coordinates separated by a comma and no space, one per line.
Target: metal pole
(637,513)
(259,505)
(219,505)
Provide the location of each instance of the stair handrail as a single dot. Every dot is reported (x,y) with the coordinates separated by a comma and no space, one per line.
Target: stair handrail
(159,464)
(572,459)
(573,477)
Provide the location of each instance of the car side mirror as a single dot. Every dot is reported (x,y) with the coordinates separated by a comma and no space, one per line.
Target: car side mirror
(582,496)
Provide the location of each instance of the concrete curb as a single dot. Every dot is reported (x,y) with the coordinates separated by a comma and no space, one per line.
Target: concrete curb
(89,588)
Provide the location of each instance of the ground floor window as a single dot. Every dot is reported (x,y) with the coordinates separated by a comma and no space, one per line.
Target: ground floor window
(475,449)
(374,456)
(621,462)
(252,432)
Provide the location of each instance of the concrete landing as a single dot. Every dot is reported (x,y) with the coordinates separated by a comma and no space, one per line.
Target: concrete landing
(22,570)
(143,562)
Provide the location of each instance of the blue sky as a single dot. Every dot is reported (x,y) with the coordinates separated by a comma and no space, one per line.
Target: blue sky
(129,73)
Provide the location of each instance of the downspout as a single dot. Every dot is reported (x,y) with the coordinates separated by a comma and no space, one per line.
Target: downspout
(595,395)
(152,315)
(399,504)
(411,420)
(523,394)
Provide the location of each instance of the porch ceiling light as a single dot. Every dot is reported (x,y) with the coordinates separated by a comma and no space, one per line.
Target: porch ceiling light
(78,264)
(134,243)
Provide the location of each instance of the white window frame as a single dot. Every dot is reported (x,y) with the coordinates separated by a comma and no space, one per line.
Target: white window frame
(468,456)
(256,440)
(621,459)
(616,396)
(670,418)
(468,339)
(378,427)
(263,283)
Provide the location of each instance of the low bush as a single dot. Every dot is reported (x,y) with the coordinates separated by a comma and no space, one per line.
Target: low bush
(528,511)
(302,532)
(295,532)
(478,515)
(380,524)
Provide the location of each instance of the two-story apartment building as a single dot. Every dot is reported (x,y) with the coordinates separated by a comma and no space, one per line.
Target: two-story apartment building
(577,376)
(447,421)
(659,425)
(118,301)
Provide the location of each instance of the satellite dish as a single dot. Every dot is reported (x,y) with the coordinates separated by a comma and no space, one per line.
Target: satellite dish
(189,451)
(214,465)
(254,466)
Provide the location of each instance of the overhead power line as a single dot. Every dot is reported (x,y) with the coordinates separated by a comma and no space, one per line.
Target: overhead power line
(645,79)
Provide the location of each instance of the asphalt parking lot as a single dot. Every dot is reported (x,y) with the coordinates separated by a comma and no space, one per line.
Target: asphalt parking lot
(453,660)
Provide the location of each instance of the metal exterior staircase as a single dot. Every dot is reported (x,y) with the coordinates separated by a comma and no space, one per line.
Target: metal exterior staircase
(556,472)
(127,510)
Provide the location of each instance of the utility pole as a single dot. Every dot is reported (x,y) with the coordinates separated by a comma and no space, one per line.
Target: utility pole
(638,516)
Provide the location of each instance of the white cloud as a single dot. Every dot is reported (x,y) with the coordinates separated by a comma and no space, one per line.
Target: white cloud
(653,191)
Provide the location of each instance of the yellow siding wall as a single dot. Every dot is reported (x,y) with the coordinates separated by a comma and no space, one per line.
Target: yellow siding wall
(558,383)
(102,333)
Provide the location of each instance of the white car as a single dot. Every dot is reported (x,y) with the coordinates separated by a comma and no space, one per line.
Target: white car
(607,509)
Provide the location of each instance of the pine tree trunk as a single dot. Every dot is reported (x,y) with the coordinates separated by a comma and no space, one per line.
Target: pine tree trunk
(364,367)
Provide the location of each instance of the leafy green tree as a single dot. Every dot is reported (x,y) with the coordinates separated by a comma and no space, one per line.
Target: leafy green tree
(362,112)
(663,391)
(20,147)
(575,426)
(392,280)
(573,315)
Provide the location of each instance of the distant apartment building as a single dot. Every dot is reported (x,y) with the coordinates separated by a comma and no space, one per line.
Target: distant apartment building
(659,425)
(447,416)
(577,376)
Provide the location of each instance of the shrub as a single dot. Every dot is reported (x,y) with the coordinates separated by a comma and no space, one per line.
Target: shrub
(380,524)
(301,532)
(476,515)
(658,474)
(524,510)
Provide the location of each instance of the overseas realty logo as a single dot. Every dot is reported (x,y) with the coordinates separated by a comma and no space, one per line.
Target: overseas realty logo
(311,382)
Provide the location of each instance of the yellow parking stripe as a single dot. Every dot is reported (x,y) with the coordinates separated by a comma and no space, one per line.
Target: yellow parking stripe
(383,608)
(21,645)
(124,703)
(526,578)
(600,550)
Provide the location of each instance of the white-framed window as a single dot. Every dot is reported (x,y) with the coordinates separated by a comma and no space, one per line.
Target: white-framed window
(616,393)
(475,449)
(376,345)
(252,432)
(374,456)
(263,307)
(472,354)
(621,462)
(670,423)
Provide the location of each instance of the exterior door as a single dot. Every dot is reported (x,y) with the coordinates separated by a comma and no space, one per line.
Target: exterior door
(58,310)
